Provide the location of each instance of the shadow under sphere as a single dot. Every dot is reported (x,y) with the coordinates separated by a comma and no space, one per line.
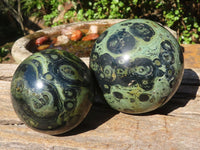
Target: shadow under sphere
(186,92)
(101,112)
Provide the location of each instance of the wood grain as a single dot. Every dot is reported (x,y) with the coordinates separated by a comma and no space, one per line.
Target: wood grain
(175,126)
(191,55)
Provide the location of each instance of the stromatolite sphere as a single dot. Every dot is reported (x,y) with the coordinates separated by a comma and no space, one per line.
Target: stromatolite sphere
(138,65)
(52,91)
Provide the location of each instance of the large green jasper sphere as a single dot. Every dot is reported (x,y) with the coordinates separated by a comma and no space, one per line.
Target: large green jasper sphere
(52,91)
(138,65)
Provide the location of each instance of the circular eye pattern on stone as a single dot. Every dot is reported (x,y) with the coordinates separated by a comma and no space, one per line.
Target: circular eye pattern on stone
(143,31)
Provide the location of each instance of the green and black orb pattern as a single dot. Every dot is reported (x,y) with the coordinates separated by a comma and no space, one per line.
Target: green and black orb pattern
(138,65)
(52,91)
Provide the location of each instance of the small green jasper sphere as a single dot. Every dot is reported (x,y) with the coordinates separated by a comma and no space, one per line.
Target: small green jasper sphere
(138,65)
(52,91)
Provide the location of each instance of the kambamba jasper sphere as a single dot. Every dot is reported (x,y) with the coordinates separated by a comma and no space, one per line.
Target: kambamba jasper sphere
(138,65)
(52,91)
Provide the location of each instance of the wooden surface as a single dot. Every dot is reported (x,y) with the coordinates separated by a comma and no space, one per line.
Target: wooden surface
(176,126)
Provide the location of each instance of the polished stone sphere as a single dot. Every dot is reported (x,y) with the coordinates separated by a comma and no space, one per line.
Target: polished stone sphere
(138,65)
(52,91)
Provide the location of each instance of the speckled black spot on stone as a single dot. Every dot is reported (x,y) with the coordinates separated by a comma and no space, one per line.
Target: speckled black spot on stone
(118,95)
(172,82)
(69,105)
(101,37)
(132,100)
(63,72)
(148,86)
(120,42)
(166,57)
(143,97)
(94,56)
(70,92)
(104,86)
(106,59)
(181,58)
(143,31)
(160,73)
(166,45)
(19,86)
(126,23)
(142,68)
(157,62)
(170,72)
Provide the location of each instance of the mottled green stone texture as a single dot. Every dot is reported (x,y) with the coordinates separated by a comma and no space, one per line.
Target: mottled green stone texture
(138,65)
(52,91)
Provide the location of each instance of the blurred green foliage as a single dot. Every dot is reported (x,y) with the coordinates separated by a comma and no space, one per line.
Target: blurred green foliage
(4,51)
(181,16)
